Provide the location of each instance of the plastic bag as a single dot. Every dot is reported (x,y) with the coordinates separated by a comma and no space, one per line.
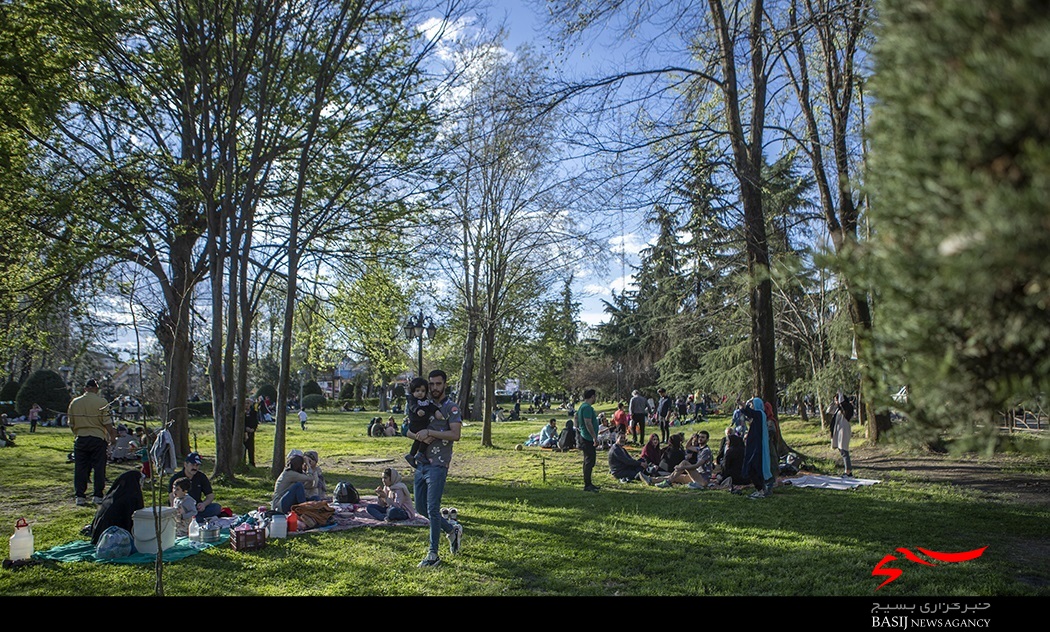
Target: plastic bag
(114,543)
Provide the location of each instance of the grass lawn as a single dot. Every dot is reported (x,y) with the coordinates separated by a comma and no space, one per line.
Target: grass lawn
(530,530)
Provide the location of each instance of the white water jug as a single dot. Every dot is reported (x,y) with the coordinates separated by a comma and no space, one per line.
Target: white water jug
(279,526)
(21,541)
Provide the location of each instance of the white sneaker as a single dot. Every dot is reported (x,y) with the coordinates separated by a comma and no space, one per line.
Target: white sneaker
(430,561)
(97,500)
(453,514)
(455,538)
(82,501)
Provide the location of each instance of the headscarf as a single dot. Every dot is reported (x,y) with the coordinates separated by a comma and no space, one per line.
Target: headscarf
(119,505)
(775,439)
(398,489)
(756,443)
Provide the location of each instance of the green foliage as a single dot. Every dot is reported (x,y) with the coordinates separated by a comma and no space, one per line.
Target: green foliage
(346,391)
(9,391)
(556,343)
(200,409)
(370,312)
(44,387)
(959,176)
(315,401)
(311,387)
(8,394)
(267,390)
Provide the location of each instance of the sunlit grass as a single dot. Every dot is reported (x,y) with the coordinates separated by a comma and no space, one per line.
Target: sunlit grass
(531,530)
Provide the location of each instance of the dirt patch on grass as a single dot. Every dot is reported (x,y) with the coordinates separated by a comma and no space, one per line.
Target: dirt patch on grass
(1003,477)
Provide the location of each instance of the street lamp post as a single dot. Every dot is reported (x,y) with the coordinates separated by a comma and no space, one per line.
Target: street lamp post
(415,328)
(300,389)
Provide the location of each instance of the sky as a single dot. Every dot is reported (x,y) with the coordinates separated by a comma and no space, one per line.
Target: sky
(623,242)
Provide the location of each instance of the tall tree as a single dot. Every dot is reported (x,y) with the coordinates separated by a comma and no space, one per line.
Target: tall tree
(823,51)
(511,224)
(722,60)
(958,180)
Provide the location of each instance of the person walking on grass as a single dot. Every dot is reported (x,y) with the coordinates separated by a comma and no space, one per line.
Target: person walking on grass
(587,425)
(432,470)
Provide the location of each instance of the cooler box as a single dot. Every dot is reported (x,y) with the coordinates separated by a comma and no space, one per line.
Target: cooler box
(145,531)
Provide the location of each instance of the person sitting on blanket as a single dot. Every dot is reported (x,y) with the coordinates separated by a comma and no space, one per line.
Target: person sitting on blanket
(296,484)
(312,460)
(119,505)
(184,505)
(394,500)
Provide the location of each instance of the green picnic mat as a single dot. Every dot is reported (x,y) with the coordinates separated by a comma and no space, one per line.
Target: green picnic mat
(83,551)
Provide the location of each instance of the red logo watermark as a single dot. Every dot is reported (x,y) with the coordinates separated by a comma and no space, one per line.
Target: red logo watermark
(894,573)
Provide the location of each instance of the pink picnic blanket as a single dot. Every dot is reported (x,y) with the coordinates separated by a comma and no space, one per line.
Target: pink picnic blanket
(351,516)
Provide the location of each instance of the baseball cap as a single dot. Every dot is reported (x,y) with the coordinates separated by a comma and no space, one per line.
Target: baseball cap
(193,457)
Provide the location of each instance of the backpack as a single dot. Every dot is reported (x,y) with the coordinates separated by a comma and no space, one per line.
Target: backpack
(346,494)
(113,543)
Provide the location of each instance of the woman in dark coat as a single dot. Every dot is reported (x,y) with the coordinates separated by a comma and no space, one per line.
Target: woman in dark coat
(673,454)
(119,505)
(567,438)
(732,461)
(756,450)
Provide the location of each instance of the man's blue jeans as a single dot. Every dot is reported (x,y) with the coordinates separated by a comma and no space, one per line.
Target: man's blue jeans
(429,486)
(292,496)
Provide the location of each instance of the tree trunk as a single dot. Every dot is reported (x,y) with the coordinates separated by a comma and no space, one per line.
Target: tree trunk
(467,371)
(747,147)
(173,333)
(489,384)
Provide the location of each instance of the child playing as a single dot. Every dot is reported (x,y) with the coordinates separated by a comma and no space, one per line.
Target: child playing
(420,411)
(185,506)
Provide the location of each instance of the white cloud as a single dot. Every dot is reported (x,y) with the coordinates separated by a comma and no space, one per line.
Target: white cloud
(593,318)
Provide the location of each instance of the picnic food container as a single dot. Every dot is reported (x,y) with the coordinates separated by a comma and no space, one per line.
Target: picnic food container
(210,533)
(248,539)
(145,532)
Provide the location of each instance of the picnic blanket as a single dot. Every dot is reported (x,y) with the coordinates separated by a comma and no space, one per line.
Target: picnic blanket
(351,516)
(829,482)
(83,551)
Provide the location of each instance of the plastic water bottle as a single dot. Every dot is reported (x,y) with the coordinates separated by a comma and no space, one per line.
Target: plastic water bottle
(194,529)
(21,541)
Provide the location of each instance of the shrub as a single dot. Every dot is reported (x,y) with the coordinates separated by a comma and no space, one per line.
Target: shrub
(315,401)
(45,387)
(346,391)
(8,394)
(267,390)
(312,388)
